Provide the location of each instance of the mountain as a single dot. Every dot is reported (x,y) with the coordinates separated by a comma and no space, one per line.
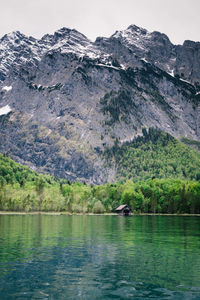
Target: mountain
(64,100)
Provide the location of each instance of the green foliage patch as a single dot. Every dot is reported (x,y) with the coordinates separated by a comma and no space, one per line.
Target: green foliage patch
(150,196)
(12,172)
(156,154)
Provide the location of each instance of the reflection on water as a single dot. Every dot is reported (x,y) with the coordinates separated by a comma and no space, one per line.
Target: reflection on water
(99,257)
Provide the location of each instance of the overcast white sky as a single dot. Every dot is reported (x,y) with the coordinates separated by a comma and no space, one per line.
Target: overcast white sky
(179,19)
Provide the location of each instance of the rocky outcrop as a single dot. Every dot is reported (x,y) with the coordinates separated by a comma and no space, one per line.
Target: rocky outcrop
(155,48)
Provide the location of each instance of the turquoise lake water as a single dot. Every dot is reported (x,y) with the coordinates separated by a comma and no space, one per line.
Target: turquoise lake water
(99,257)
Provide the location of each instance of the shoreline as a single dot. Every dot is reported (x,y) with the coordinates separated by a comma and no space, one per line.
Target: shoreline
(91,214)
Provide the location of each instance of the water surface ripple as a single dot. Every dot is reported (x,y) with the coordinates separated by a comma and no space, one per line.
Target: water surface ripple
(99,257)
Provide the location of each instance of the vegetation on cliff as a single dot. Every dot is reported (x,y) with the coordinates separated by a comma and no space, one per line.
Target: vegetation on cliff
(156,154)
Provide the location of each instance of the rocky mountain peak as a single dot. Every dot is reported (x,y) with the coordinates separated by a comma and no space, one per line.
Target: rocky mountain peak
(69,33)
(64,99)
(67,40)
(124,46)
(131,34)
(16,49)
(64,34)
(12,36)
(15,39)
(137,37)
(159,37)
(135,28)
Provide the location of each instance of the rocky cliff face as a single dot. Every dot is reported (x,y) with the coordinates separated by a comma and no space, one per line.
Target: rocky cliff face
(64,99)
(156,48)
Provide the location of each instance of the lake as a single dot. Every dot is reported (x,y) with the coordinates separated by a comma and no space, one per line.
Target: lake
(99,257)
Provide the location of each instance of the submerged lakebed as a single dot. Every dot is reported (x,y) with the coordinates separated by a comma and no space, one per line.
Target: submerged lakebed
(99,257)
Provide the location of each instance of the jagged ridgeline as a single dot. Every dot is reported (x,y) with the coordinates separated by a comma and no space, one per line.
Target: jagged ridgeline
(65,100)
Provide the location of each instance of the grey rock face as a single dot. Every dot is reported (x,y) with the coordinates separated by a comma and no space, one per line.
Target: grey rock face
(188,62)
(64,99)
(156,48)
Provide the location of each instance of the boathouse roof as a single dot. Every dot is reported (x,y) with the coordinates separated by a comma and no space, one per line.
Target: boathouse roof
(121,207)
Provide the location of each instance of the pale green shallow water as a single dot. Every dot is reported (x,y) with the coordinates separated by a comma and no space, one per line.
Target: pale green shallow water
(99,257)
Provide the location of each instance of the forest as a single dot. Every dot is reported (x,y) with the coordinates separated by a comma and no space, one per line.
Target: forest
(24,190)
(154,154)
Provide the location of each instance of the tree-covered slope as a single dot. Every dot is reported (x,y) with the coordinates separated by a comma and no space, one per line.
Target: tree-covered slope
(156,154)
(12,173)
(22,189)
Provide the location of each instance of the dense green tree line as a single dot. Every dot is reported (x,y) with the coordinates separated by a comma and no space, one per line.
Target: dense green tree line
(160,175)
(155,154)
(150,196)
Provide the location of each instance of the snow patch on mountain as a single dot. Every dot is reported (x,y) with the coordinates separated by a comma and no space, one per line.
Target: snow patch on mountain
(134,36)
(5,110)
(7,88)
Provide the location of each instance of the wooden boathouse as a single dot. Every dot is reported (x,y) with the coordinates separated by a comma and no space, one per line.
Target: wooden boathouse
(124,210)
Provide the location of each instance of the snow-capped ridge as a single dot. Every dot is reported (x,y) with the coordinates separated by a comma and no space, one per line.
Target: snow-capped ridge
(131,31)
(68,40)
(68,31)
(63,34)
(16,37)
(12,35)
(127,46)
